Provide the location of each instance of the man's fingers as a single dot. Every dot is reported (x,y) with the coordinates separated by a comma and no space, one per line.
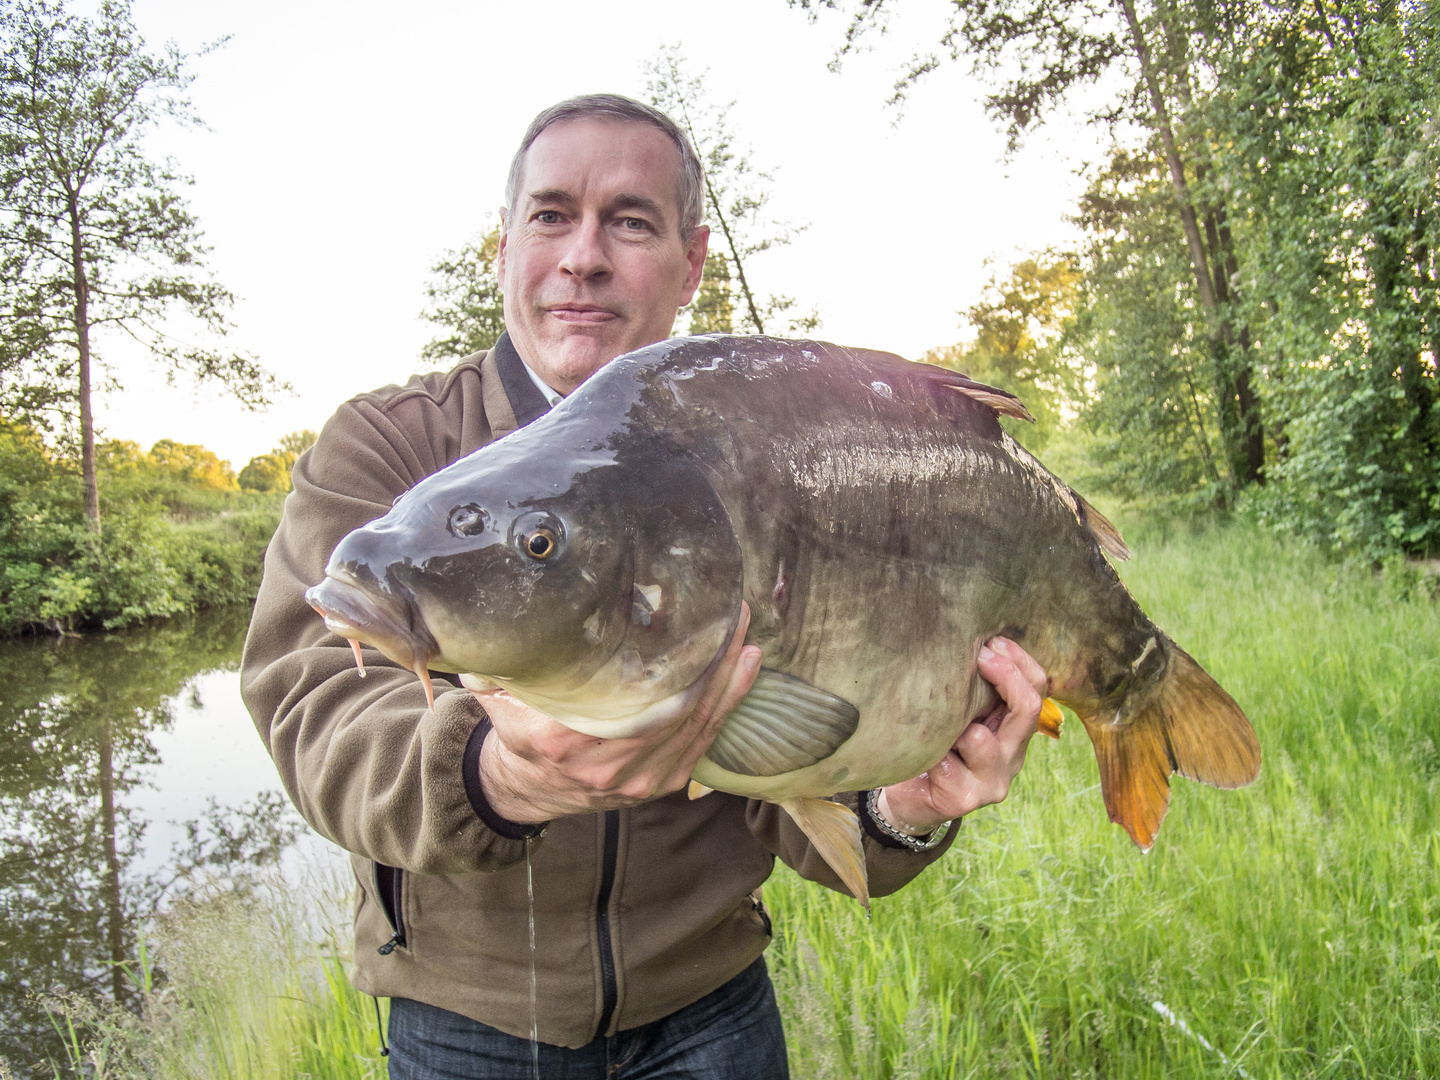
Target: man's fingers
(719,686)
(1028,665)
(738,685)
(1002,668)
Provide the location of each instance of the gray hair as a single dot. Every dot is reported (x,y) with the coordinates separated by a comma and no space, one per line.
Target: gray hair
(617,107)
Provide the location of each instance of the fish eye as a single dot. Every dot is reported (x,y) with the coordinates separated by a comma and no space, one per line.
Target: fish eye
(539,544)
(467,520)
(538,536)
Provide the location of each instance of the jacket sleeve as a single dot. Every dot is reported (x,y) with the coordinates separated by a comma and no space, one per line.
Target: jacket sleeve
(889,865)
(363,759)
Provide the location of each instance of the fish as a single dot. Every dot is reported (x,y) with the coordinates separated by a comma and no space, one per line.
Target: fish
(877,518)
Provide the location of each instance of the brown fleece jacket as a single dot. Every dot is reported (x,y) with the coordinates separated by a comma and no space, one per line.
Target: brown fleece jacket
(638,912)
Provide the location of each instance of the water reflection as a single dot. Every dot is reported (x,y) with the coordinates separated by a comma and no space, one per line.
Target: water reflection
(79,723)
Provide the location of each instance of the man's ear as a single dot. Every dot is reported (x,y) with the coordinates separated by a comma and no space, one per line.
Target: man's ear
(695,252)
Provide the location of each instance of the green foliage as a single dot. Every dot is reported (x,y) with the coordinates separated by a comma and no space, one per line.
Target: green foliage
(1262,293)
(1019,344)
(1326,138)
(174,539)
(271,472)
(464,298)
(1152,407)
(194,465)
(1294,924)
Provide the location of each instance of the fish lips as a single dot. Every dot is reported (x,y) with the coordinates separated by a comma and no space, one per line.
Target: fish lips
(354,612)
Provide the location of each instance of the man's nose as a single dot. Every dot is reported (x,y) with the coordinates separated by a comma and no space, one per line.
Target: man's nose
(587,256)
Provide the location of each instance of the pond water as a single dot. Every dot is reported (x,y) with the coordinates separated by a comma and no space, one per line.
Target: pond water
(109,744)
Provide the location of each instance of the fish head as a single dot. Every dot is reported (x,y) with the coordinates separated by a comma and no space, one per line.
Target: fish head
(599,581)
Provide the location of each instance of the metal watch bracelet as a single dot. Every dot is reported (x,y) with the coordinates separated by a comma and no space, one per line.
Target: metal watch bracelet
(914,843)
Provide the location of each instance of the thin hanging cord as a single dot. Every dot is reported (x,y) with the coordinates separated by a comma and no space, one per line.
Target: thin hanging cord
(384,1050)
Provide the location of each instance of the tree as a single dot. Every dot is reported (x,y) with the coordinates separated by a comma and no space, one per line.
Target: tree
(464,297)
(271,472)
(193,464)
(1041,51)
(93,233)
(1153,405)
(1325,134)
(1020,342)
(736,198)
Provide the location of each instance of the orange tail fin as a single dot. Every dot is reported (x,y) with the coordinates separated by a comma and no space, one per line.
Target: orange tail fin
(1189,725)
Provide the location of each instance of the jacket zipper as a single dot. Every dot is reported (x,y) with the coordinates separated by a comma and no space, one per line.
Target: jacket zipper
(387,888)
(611,992)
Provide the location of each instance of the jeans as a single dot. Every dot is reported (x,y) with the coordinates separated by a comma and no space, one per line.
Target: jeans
(732,1033)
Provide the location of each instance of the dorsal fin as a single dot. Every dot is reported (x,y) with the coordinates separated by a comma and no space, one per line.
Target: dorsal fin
(1105,533)
(1002,401)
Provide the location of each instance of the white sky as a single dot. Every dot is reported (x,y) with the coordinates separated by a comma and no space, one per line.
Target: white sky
(351,143)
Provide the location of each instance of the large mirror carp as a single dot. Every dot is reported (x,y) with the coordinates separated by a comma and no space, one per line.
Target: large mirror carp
(878,520)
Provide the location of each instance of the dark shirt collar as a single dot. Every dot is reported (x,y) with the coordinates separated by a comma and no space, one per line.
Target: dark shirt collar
(526,400)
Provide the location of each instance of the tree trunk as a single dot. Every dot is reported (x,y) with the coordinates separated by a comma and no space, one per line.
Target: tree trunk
(114,913)
(1239,411)
(735,257)
(1249,404)
(1198,263)
(730,242)
(82,338)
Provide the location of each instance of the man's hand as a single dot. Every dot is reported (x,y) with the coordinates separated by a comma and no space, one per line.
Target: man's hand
(533,769)
(988,754)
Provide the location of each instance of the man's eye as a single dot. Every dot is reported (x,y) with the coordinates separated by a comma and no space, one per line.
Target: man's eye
(548,217)
(634,223)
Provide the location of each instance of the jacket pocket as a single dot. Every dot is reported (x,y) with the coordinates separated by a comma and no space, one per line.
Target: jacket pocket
(759,906)
(389,885)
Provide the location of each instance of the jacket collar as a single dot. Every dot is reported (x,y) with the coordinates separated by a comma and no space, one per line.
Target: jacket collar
(526,401)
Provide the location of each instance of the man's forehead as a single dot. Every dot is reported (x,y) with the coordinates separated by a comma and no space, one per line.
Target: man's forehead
(625,164)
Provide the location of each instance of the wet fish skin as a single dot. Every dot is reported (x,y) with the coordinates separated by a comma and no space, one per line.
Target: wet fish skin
(873,513)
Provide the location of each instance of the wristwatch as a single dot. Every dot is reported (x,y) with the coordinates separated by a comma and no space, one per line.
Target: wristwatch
(915,843)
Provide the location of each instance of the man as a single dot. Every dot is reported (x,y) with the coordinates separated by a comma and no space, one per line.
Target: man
(648,924)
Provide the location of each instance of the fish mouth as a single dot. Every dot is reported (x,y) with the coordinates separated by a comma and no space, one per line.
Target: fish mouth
(356,613)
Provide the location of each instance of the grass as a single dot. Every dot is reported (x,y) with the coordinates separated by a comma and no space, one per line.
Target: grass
(1294,926)
(248,985)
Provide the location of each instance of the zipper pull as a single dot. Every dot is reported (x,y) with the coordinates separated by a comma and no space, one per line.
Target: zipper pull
(389,946)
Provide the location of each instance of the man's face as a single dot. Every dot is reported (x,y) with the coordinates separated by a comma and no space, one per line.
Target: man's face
(592,263)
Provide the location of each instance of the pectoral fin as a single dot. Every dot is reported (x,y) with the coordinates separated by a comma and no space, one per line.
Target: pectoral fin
(835,831)
(781,725)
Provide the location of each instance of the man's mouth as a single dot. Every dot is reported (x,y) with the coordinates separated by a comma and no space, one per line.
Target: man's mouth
(582,313)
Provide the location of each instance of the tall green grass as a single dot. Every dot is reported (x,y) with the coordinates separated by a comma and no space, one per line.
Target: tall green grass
(245,985)
(1294,925)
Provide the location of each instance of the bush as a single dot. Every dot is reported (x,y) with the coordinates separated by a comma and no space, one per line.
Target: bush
(169,541)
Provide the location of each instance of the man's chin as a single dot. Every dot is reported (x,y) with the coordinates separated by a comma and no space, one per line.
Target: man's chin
(578,354)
